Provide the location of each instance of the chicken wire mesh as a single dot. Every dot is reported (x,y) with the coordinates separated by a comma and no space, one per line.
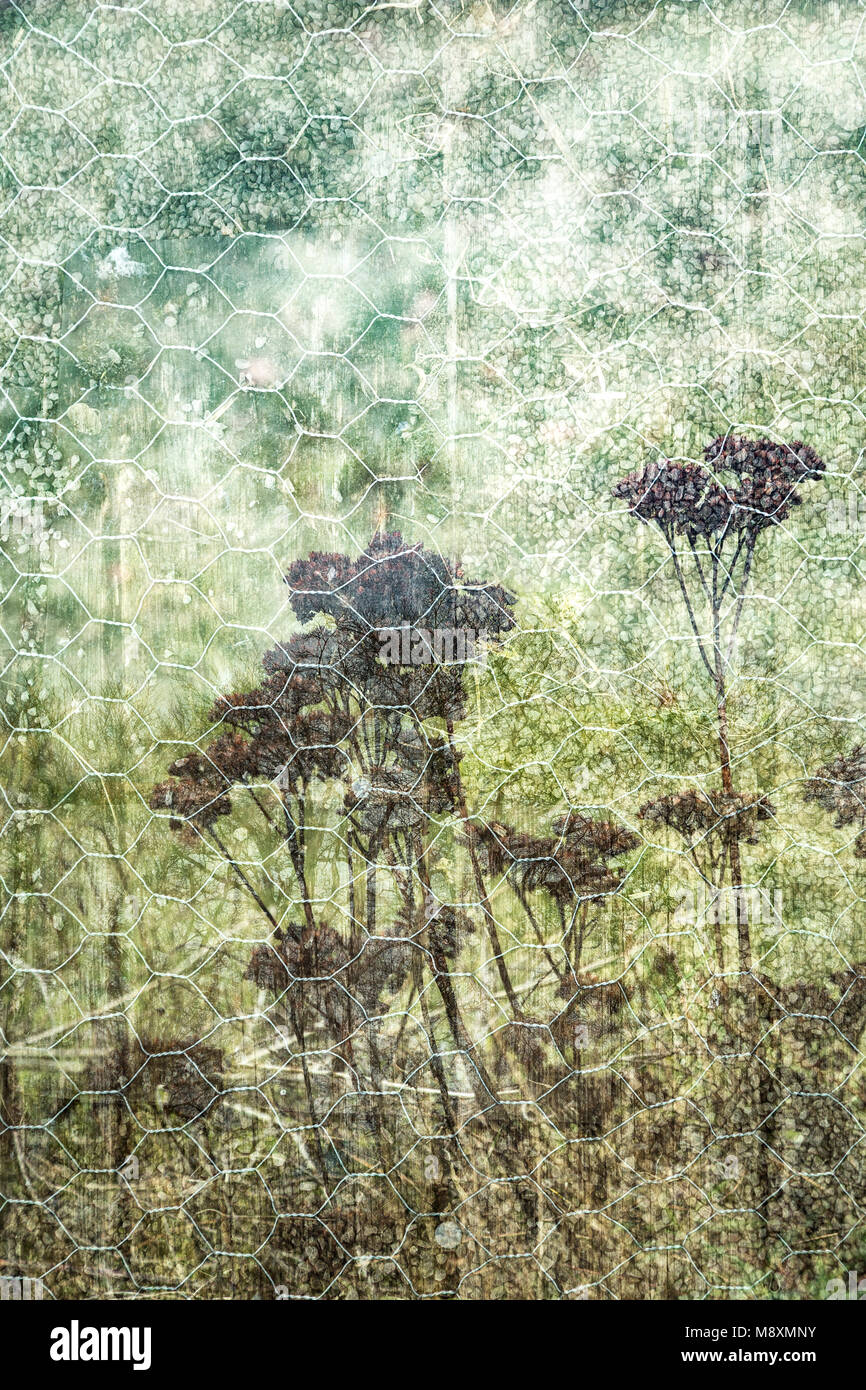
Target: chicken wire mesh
(433,801)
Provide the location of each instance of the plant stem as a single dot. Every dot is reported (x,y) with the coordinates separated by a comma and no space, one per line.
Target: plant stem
(449,999)
(243,878)
(484,897)
(297,856)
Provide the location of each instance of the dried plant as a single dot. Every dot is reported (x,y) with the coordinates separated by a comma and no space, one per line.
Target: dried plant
(712,516)
(840,788)
(381,735)
(571,867)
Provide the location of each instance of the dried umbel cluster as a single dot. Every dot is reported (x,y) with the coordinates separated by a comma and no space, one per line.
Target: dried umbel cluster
(297,752)
(318,967)
(840,787)
(404,796)
(298,953)
(701,502)
(184,1072)
(570,864)
(760,457)
(605,837)
(697,815)
(712,515)
(197,795)
(329,709)
(393,583)
(681,497)
(391,587)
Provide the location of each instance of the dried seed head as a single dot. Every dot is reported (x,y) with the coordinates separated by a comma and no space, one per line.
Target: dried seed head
(697,815)
(700,502)
(840,787)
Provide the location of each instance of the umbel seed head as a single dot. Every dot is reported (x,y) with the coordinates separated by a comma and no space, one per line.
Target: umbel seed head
(745,485)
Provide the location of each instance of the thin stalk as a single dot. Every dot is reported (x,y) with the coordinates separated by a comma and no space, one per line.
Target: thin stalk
(445,986)
(688,602)
(311,1102)
(297,857)
(484,897)
(539,936)
(243,878)
(738,609)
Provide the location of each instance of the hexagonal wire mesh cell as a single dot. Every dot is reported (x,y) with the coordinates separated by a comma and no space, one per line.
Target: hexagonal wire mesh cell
(432,484)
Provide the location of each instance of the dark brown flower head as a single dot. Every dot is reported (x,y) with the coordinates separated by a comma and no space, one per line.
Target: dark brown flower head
(494,839)
(321,584)
(307,749)
(293,753)
(429,692)
(298,956)
(281,695)
(350,664)
(185,1070)
(285,733)
(196,803)
(226,757)
(331,660)
(447,929)
(319,965)
(379,970)
(840,787)
(398,799)
(393,583)
(198,793)
(312,965)
(701,502)
(757,458)
(697,815)
(604,836)
(565,871)
(679,497)
(567,865)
